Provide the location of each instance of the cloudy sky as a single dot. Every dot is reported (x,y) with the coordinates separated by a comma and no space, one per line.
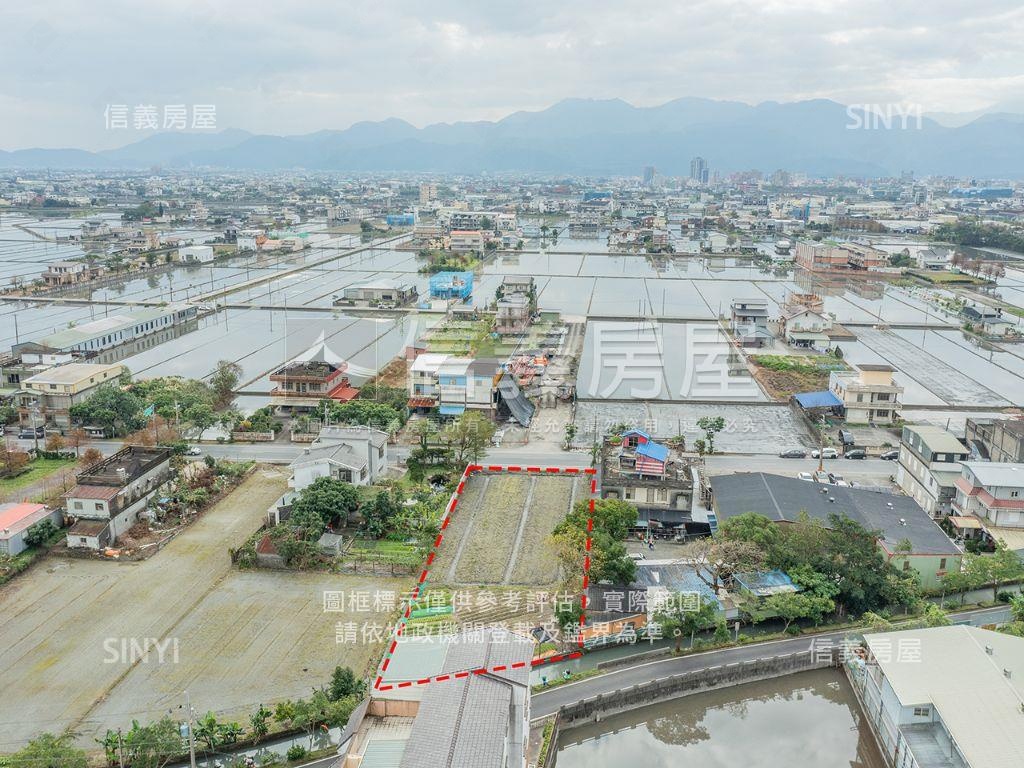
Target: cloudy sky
(301,66)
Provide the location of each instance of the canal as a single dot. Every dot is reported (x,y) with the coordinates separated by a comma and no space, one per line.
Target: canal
(810,720)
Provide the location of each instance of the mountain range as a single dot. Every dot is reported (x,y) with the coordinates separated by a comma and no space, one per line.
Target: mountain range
(598,137)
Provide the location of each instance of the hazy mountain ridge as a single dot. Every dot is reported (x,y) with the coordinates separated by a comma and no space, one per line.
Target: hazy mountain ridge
(595,137)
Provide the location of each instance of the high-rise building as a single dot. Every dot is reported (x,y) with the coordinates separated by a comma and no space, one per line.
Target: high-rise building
(699,170)
(649,172)
(428,193)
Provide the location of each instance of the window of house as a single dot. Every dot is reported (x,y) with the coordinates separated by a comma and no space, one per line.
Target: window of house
(942,564)
(628,493)
(1014,494)
(906,565)
(99,506)
(922,711)
(78,505)
(860,398)
(81,539)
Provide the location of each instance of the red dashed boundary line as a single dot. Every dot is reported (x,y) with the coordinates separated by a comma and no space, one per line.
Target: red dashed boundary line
(449,511)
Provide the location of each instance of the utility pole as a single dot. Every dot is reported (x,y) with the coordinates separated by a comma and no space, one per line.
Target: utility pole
(120,749)
(191,737)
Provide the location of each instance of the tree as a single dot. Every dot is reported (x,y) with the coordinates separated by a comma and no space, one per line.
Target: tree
(751,527)
(12,460)
(200,416)
(344,683)
(570,435)
(40,533)
(223,382)
(790,606)
(259,723)
(54,443)
(1017,607)
(678,617)
(153,745)
(961,581)
(711,425)
(117,411)
(379,514)
(90,456)
(327,499)
(717,561)
(935,616)
(49,751)
(468,437)
(997,569)
(77,437)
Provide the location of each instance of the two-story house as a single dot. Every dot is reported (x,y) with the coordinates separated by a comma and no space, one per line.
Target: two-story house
(993,492)
(929,465)
(109,495)
(453,384)
(302,384)
(357,455)
(869,393)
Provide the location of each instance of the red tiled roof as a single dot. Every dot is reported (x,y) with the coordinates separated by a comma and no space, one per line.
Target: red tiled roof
(343,393)
(106,492)
(421,402)
(17,517)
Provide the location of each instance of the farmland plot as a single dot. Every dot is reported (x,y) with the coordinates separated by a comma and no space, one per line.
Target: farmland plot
(497,520)
(536,561)
(500,532)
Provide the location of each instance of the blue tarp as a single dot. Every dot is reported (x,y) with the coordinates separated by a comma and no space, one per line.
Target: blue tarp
(823,399)
(452,410)
(653,450)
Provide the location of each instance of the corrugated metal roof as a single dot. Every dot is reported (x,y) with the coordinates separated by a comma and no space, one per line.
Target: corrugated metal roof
(92,492)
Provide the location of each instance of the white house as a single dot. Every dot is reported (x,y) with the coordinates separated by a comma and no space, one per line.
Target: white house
(357,455)
(196,254)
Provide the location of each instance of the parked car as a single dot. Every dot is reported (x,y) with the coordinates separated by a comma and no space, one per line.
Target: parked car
(27,433)
(890,455)
(835,478)
(846,437)
(856,453)
(194,450)
(826,453)
(805,476)
(793,453)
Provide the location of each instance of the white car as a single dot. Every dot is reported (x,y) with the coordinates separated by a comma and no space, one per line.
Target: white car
(637,556)
(194,451)
(805,476)
(826,453)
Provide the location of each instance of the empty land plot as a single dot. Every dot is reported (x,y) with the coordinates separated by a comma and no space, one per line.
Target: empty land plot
(500,532)
(497,519)
(536,561)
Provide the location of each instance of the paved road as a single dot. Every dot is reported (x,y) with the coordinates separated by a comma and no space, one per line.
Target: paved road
(548,702)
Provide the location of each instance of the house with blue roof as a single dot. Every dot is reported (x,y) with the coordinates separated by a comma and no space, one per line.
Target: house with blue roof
(451,285)
(660,482)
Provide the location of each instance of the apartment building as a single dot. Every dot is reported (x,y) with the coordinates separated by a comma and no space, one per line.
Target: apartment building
(749,322)
(453,384)
(466,241)
(929,465)
(114,330)
(869,393)
(110,495)
(1000,440)
(943,697)
(46,398)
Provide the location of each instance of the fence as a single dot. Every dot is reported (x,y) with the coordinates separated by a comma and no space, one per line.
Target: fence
(686,683)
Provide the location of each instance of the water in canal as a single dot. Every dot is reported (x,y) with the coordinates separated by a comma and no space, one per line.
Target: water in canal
(807,720)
